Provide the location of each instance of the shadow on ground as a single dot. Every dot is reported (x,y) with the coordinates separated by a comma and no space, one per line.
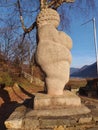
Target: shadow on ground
(9,106)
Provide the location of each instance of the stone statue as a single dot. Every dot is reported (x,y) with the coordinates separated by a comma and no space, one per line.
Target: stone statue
(53,51)
(53,55)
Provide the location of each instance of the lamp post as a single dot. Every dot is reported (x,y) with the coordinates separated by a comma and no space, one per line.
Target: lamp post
(95,38)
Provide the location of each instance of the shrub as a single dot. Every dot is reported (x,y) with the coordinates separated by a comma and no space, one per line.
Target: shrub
(6,79)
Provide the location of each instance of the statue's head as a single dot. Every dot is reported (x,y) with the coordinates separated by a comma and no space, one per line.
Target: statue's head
(48,16)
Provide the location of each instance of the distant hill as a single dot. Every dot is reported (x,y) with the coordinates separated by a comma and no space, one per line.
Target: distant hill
(86,71)
(72,70)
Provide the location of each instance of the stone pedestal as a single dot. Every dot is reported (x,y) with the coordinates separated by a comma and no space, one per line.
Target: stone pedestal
(45,101)
(70,117)
(51,112)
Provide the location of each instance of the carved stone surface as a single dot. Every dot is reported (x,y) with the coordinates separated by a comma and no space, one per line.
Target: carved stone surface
(53,51)
(48,16)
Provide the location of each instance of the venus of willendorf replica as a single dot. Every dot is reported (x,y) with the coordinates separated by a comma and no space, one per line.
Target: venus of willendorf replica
(53,51)
(53,55)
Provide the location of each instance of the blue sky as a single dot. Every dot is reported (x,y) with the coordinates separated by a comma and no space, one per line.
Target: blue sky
(83,51)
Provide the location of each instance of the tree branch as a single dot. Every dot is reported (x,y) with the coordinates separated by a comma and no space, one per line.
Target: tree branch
(57,3)
(50,4)
(26,30)
(20,13)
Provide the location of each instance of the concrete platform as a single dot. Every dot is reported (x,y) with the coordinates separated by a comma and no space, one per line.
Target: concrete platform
(50,112)
(45,101)
(67,111)
(24,119)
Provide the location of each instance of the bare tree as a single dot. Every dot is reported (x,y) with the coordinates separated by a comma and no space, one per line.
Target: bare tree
(21,50)
(49,4)
(7,38)
(24,9)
